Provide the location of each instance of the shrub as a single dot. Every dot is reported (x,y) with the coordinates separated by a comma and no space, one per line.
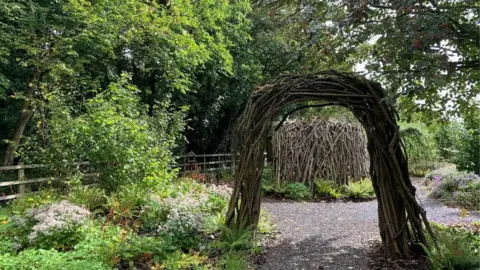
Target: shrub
(184,218)
(56,225)
(90,197)
(362,189)
(297,191)
(457,248)
(328,189)
(225,174)
(460,188)
(117,134)
(467,199)
(138,248)
(125,205)
(152,215)
(420,144)
(468,156)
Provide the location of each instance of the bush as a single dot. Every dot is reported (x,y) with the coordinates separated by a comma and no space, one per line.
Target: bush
(297,191)
(457,248)
(468,156)
(115,133)
(459,142)
(125,205)
(362,189)
(56,225)
(420,144)
(328,189)
(463,189)
(467,199)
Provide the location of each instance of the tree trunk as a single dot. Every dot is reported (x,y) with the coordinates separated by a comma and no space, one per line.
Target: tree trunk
(25,115)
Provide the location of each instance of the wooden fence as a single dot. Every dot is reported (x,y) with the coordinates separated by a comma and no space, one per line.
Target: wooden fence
(189,162)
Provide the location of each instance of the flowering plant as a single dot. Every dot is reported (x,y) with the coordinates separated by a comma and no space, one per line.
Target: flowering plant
(57,225)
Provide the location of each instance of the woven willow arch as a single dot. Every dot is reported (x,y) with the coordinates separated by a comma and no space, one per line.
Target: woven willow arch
(400,216)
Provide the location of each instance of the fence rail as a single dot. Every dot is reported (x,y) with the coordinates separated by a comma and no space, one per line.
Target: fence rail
(191,161)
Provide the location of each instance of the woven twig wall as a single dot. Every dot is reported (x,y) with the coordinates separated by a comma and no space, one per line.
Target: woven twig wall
(320,149)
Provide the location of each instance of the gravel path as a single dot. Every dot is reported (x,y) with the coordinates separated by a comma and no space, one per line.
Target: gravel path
(335,235)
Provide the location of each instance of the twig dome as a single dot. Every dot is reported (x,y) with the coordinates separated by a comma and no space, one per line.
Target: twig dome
(322,148)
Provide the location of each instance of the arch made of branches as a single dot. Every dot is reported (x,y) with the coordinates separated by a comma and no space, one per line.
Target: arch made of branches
(401,218)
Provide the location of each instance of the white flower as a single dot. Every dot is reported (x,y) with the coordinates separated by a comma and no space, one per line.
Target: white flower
(56,216)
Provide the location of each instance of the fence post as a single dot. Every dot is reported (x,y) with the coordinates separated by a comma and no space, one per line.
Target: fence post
(20,177)
(204,163)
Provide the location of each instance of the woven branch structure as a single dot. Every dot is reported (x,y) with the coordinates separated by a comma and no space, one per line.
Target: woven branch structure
(401,218)
(320,149)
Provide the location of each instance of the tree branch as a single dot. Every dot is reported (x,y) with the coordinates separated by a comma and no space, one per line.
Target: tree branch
(301,108)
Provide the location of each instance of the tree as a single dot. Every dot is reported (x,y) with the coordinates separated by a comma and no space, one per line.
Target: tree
(426,49)
(423,50)
(73,46)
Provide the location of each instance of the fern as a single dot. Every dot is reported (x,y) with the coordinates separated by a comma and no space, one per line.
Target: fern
(362,189)
(327,189)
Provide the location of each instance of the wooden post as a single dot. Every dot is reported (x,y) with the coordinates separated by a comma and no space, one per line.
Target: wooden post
(20,177)
(204,164)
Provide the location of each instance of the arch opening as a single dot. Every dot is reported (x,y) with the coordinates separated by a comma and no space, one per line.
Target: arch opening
(401,218)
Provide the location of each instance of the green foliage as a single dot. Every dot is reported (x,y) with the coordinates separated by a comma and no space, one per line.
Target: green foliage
(419,143)
(297,191)
(461,189)
(468,158)
(8,230)
(91,197)
(33,200)
(328,189)
(214,223)
(457,248)
(48,259)
(117,136)
(234,260)
(362,189)
(126,204)
(151,215)
(135,248)
(234,239)
(446,137)
(179,260)
(459,142)
(91,43)
(175,230)
(265,224)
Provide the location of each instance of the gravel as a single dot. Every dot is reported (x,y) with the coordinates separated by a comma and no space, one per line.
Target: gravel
(322,235)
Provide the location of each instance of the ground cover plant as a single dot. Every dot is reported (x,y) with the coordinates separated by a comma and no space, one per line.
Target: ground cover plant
(179,226)
(458,247)
(321,190)
(455,188)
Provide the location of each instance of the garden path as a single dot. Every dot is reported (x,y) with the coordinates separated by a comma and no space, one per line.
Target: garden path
(335,235)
